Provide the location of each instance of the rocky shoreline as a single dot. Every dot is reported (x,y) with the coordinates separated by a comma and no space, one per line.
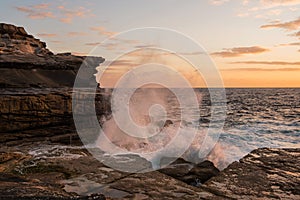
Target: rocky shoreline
(49,171)
(41,156)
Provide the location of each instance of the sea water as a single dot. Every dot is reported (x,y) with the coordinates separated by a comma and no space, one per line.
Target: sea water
(254,118)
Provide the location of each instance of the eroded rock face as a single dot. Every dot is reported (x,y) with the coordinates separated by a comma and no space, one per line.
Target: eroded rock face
(41,114)
(36,88)
(26,62)
(47,71)
(262,174)
(15,40)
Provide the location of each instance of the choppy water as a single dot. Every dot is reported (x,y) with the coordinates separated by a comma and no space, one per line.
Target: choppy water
(259,118)
(254,118)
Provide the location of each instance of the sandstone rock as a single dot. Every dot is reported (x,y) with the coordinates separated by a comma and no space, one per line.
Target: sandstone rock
(5,36)
(41,114)
(38,114)
(17,38)
(22,31)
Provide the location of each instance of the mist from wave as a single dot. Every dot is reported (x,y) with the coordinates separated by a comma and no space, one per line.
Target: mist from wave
(254,118)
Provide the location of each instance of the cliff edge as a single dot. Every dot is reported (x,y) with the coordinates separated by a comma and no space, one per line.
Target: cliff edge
(26,62)
(36,88)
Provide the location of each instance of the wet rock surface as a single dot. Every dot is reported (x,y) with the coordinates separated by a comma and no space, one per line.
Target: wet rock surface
(70,172)
(64,171)
(262,174)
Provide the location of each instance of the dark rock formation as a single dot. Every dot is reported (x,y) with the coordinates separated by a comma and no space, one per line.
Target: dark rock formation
(15,40)
(262,174)
(31,70)
(34,115)
(190,173)
(41,174)
(36,88)
(26,62)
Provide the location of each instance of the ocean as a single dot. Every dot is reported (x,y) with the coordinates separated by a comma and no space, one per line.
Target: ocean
(254,118)
(258,118)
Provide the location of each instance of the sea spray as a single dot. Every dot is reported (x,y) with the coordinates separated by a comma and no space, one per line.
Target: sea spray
(140,103)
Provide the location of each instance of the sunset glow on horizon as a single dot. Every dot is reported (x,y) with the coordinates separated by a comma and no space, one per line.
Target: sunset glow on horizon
(252,43)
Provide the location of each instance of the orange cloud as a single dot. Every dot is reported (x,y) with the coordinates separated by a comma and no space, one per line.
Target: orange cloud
(115,44)
(41,6)
(269,4)
(111,46)
(69,15)
(263,4)
(92,43)
(257,77)
(36,12)
(267,63)
(266,8)
(75,34)
(291,44)
(122,63)
(291,25)
(272,3)
(218,2)
(102,31)
(140,57)
(296,34)
(190,53)
(261,69)
(240,51)
(46,34)
(145,46)
(41,11)
(56,41)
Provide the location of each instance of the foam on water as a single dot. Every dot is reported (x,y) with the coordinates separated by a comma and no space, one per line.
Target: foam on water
(56,151)
(255,118)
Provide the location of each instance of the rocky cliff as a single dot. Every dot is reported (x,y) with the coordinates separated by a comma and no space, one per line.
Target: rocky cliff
(15,40)
(26,62)
(36,88)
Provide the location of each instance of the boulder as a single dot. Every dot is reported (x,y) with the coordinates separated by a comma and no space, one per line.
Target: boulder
(190,173)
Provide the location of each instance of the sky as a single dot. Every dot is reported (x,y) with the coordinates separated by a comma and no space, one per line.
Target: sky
(251,43)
